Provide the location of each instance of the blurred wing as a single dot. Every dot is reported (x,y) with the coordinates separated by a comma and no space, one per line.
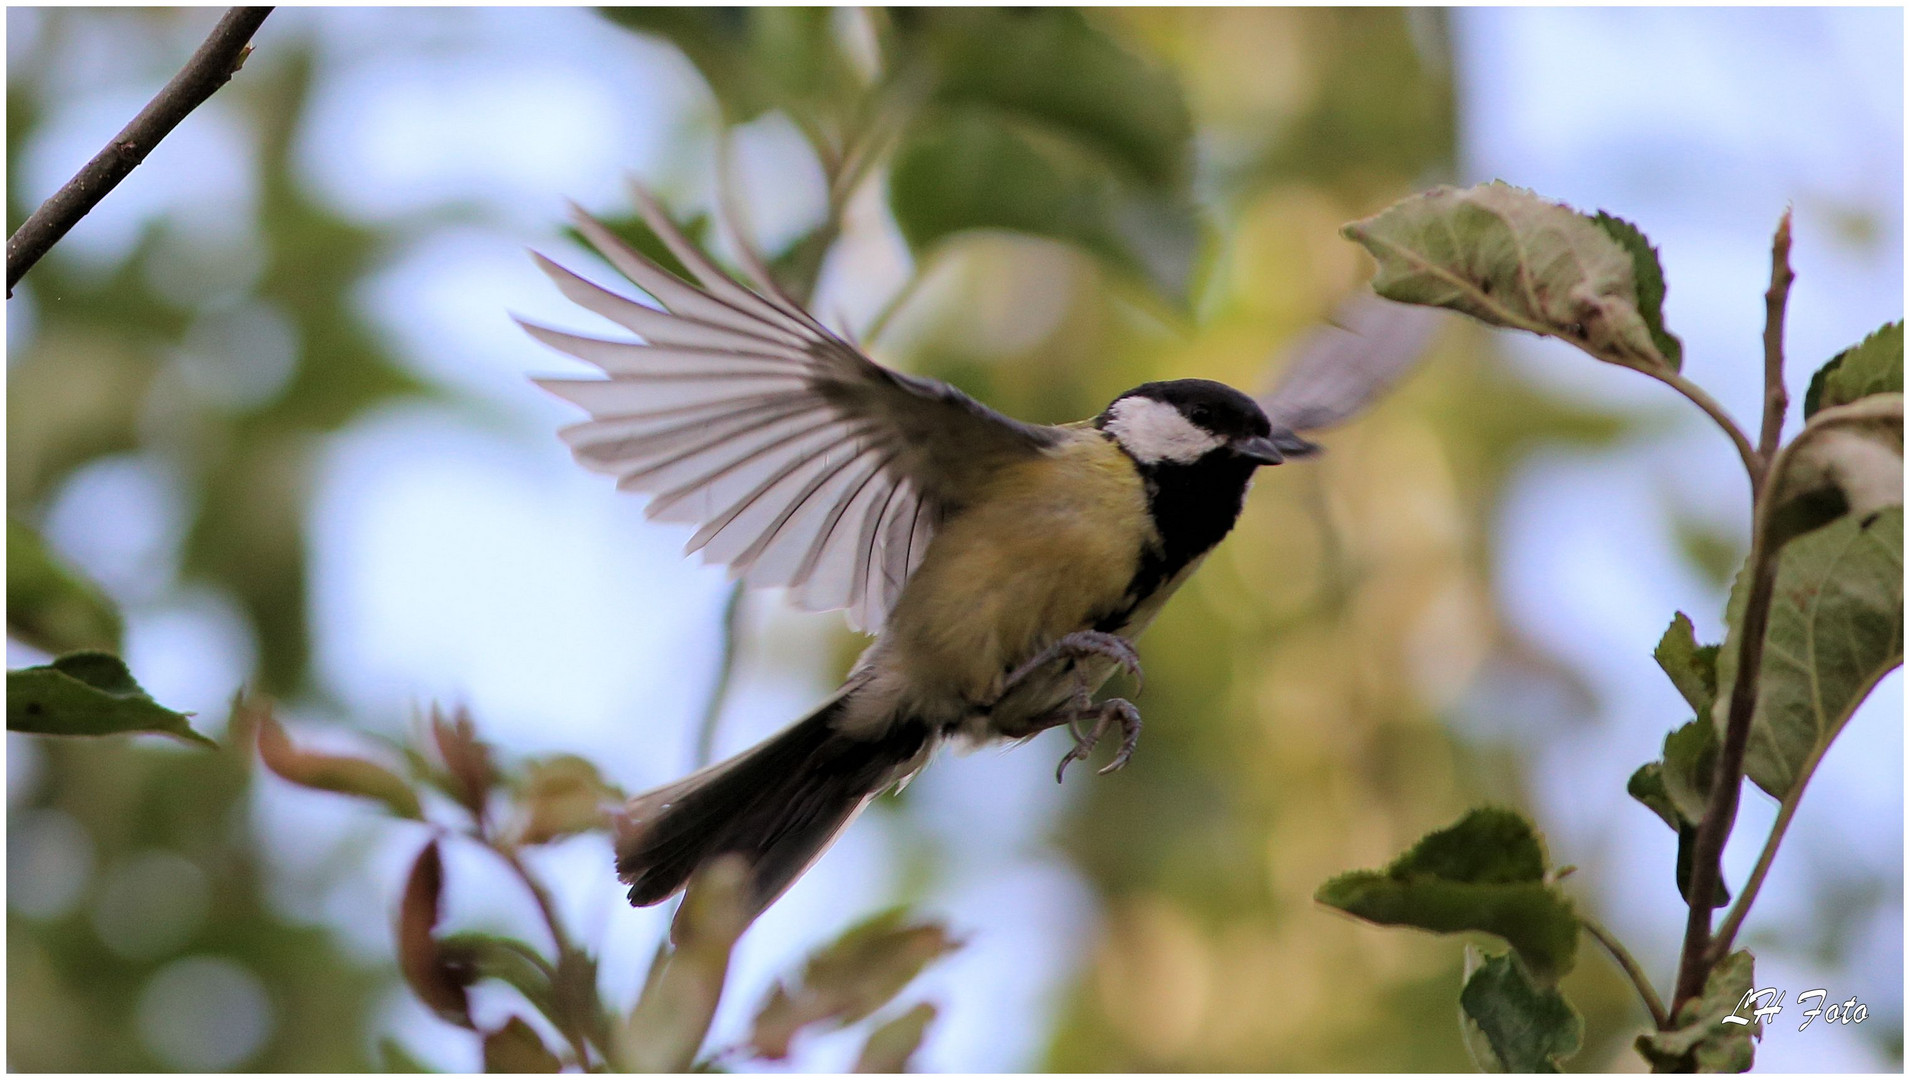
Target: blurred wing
(1339,369)
(805,463)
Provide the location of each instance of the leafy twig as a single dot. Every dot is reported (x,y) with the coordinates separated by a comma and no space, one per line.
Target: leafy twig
(215,62)
(1646,992)
(1776,400)
(1735,919)
(1700,951)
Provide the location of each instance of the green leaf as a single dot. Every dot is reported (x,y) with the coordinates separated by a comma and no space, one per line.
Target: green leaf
(1488,872)
(1650,275)
(1035,121)
(51,606)
(1692,668)
(1836,628)
(1050,68)
(967,170)
(1873,366)
(1511,1023)
(331,772)
(1647,785)
(517,1048)
(892,1045)
(89,693)
(1691,753)
(1509,258)
(1700,1039)
(849,979)
(754,59)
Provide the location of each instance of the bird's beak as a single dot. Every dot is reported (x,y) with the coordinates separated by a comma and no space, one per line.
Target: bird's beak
(1259,448)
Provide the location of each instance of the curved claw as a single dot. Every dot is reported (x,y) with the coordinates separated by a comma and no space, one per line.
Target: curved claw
(1130,719)
(1113,710)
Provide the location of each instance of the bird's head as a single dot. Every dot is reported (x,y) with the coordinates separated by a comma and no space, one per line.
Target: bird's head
(1191,420)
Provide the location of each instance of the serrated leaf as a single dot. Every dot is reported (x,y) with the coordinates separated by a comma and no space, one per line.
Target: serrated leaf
(89,693)
(1873,366)
(50,605)
(852,977)
(437,981)
(1700,1040)
(1487,872)
(331,772)
(1692,668)
(965,171)
(672,1016)
(1649,273)
(560,796)
(1511,1023)
(517,1048)
(1510,258)
(892,1045)
(1836,628)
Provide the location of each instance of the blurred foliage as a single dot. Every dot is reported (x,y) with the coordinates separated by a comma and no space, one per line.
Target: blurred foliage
(1295,686)
(50,606)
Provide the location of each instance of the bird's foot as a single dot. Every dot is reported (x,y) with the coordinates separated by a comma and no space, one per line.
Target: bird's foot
(1081,645)
(1112,711)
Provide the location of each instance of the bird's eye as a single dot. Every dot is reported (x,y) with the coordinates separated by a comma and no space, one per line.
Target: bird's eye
(1203,416)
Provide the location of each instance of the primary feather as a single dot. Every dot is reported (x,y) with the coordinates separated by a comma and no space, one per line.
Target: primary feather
(803,463)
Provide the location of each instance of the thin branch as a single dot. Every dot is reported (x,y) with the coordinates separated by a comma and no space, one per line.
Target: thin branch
(1776,401)
(1646,992)
(1728,777)
(1729,931)
(1754,463)
(215,62)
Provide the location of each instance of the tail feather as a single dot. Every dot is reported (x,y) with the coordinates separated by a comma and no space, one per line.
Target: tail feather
(779,805)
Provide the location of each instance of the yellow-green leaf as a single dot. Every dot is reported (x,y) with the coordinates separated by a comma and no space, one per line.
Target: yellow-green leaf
(89,693)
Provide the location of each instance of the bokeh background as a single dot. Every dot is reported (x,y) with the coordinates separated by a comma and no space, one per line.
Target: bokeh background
(269,396)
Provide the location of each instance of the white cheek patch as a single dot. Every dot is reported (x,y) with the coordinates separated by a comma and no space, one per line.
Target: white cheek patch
(1154,431)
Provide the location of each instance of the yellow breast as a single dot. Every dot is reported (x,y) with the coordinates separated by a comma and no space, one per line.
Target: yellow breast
(1051,546)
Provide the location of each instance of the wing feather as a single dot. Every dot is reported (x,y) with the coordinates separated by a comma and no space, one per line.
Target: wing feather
(802,462)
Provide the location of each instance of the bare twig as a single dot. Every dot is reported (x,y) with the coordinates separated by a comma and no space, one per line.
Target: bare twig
(1776,401)
(222,54)
(1729,931)
(1646,993)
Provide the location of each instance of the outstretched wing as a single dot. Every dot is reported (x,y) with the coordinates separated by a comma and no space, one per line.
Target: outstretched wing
(1339,369)
(804,463)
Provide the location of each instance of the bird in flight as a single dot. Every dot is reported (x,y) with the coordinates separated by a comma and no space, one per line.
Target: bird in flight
(1005,568)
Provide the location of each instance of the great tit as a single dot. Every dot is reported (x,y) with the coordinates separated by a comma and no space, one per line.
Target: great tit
(1006,568)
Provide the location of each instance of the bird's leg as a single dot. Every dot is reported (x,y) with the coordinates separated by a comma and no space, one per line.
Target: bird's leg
(1079,646)
(1113,710)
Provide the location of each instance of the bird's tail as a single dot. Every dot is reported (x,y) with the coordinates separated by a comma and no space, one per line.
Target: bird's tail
(779,805)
